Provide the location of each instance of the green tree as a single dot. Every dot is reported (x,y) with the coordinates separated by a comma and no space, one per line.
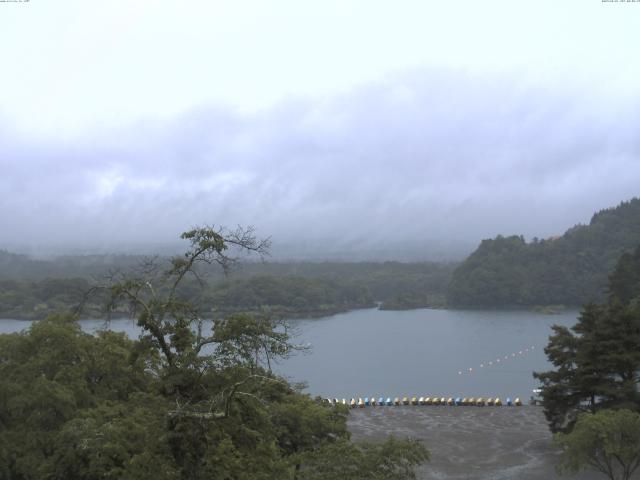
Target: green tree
(393,459)
(608,441)
(179,402)
(597,361)
(571,269)
(51,377)
(584,379)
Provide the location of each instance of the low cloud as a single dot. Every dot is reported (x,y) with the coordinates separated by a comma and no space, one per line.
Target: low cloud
(428,158)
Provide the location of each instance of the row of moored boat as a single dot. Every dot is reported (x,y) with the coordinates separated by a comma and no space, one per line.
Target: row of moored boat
(397,401)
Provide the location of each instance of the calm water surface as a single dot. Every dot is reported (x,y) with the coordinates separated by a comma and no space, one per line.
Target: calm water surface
(416,352)
(421,352)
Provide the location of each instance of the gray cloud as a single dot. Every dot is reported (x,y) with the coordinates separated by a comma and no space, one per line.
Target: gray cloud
(427,158)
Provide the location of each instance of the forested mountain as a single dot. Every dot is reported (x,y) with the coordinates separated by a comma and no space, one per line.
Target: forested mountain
(15,266)
(568,270)
(33,289)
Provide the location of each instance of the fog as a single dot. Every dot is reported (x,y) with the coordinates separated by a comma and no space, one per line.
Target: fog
(419,161)
(427,158)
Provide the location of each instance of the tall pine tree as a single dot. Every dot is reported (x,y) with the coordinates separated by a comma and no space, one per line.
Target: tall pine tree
(597,361)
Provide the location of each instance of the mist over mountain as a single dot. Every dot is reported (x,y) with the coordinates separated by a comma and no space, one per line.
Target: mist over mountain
(356,131)
(421,165)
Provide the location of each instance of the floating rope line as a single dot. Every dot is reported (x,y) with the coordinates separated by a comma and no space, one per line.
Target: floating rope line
(498,360)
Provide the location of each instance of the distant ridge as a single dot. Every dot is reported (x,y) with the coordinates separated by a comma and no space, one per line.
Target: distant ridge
(568,270)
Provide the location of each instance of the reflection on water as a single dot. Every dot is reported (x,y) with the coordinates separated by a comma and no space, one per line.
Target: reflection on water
(416,352)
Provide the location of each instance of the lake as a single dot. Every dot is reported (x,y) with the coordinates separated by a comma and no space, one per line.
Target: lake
(415,352)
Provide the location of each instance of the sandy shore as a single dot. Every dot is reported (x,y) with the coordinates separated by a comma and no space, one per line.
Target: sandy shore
(470,442)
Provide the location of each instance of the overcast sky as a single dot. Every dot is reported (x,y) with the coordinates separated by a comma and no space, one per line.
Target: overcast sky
(342,123)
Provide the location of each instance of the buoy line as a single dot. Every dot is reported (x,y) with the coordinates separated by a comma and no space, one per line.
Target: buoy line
(361,402)
(500,360)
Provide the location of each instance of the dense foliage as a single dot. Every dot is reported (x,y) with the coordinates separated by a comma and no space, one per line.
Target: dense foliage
(177,403)
(567,270)
(36,299)
(607,441)
(15,266)
(284,289)
(284,296)
(597,361)
(288,295)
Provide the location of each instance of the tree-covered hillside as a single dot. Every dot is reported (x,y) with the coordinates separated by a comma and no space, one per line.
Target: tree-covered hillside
(567,270)
(33,289)
(15,266)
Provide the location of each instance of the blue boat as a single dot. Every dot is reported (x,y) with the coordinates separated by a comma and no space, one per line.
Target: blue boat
(509,402)
(366,401)
(458,401)
(381,401)
(389,401)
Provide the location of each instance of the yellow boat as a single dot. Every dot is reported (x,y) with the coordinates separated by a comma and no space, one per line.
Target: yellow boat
(517,402)
(497,402)
(396,401)
(480,402)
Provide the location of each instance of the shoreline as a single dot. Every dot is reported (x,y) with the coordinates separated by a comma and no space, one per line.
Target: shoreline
(499,443)
(549,310)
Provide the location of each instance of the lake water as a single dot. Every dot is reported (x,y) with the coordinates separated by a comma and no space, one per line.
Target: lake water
(416,352)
